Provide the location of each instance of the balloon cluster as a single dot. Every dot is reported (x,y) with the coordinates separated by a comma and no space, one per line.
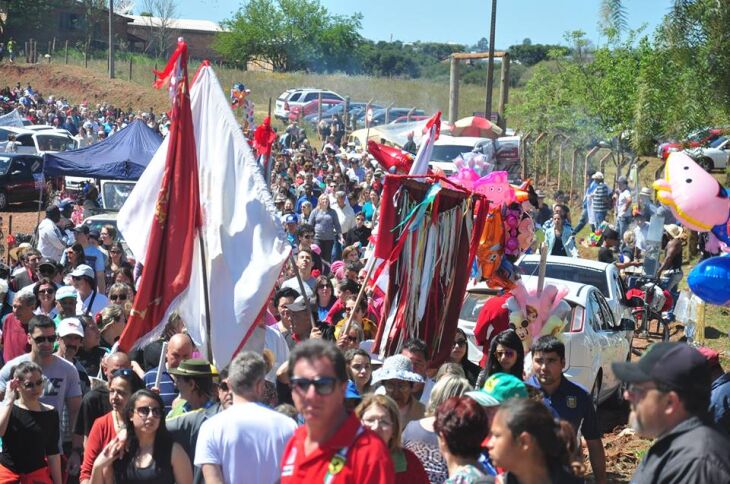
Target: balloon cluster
(508,230)
(699,202)
(534,314)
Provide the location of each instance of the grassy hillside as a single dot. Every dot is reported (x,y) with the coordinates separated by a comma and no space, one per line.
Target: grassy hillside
(420,93)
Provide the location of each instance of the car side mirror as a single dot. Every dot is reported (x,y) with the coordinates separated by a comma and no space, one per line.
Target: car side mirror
(627,325)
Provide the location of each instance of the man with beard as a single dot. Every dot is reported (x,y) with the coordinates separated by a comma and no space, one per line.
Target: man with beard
(669,394)
(566,399)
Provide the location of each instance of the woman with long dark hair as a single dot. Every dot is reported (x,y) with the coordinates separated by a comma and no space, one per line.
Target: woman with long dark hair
(506,355)
(325,293)
(45,295)
(460,355)
(530,445)
(74,257)
(146,453)
(117,259)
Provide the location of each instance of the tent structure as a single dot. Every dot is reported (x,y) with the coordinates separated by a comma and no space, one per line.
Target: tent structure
(123,156)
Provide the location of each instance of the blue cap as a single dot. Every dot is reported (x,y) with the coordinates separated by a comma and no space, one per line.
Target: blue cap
(291,219)
(351,392)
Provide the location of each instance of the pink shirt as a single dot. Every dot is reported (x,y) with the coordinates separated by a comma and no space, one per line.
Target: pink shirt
(15,338)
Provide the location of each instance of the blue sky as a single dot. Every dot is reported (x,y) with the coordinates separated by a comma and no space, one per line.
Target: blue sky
(462,21)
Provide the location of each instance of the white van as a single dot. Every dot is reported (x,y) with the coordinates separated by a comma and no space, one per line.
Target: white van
(40,140)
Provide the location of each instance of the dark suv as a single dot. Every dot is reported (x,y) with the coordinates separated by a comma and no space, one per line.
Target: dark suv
(21,178)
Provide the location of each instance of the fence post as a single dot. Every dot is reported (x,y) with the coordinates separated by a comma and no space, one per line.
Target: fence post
(53,48)
(346,114)
(585,166)
(572,172)
(26,52)
(523,154)
(66,52)
(319,107)
(535,144)
(130,67)
(454,90)
(86,54)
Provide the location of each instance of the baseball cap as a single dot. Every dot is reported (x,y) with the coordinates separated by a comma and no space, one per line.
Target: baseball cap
(291,219)
(676,365)
(622,179)
(299,304)
(69,326)
(47,264)
(597,176)
(499,388)
(82,229)
(94,234)
(64,292)
(83,270)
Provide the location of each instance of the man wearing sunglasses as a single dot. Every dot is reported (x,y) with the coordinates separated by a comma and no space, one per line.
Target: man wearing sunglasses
(91,299)
(245,441)
(62,388)
(669,394)
(332,445)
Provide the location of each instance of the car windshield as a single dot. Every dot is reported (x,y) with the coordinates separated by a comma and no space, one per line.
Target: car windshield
(699,135)
(54,143)
(4,164)
(115,194)
(718,142)
(447,153)
(473,303)
(572,273)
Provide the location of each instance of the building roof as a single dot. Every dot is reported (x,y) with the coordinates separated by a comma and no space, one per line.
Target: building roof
(177,24)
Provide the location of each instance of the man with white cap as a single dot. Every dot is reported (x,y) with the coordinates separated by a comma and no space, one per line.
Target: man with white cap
(70,337)
(90,300)
(397,378)
(623,206)
(600,199)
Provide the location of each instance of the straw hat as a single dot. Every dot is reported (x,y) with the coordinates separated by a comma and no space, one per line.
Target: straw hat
(675,231)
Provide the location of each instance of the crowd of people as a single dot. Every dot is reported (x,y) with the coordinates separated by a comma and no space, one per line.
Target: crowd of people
(315,403)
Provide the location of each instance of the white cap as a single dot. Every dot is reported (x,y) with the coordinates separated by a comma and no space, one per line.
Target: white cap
(70,326)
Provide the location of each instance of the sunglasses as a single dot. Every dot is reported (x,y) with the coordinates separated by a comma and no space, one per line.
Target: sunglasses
(46,291)
(352,339)
(29,385)
(45,339)
(118,297)
(145,412)
(123,372)
(460,342)
(324,385)
(114,251)
(507,353)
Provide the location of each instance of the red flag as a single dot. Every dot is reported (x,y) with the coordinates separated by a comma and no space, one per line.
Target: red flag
(177,213)
(389,157)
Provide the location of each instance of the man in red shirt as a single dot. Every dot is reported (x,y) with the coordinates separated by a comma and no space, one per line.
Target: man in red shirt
(332,446)
(15,328)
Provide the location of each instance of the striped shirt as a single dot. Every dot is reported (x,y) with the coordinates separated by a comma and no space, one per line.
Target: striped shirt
(601,194)
(168,391)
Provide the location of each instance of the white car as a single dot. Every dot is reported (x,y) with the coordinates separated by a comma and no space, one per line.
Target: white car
(40,141)
(713,157)
(447,148)
(605,277)
(593,339)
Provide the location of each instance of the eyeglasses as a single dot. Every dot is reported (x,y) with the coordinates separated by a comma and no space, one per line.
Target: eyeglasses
(46,291)
(352,339)
(377,422)
(45,339)
(115,251)
(460,342)
(396,385)
(75,278)
(145,412)
(324,385)
(29,385)
(505,353)
(324,287)
(118,297)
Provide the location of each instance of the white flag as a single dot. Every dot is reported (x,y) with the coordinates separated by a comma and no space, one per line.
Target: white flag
(423,156)
(244,241)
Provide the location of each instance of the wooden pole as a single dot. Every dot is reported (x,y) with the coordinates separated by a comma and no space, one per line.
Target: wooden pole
(130,67)
(454,90)
(111,39)
(346,114)
(585,167)
(10,231)
(319,107)
(560,162)
(86,54)
(27,59)
(206,297)
(490,63)
(65,55)
(504,90)
(572,172)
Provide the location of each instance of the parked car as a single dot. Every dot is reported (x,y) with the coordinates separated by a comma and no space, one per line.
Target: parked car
(593,339)
(713,157)
(21,178)
(379,115)
(299,97)
(40,140)
(355,109)
(409,119)
(694,140)
(297,112)
(605,277)
(447,148)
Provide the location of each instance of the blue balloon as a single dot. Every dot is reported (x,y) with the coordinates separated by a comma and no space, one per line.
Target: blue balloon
(710,280)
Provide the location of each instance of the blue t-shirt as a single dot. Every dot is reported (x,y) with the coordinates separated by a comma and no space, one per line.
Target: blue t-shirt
(720,403)
(168,391)
(572,403)
(95,258)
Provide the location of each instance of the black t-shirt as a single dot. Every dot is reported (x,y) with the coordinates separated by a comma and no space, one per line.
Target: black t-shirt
(29,438)
(91,359)
(605,254)
(95,404)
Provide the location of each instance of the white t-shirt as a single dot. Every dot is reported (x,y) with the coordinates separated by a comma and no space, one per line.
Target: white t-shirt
(248,440)
(100,302)
(623,204)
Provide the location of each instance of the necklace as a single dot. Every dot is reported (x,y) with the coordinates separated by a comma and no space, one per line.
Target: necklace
(117,424)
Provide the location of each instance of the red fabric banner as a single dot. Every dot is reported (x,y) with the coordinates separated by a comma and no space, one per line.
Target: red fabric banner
(177,214)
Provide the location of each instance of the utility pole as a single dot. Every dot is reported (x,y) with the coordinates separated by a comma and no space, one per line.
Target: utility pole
(490,63)
(111,39)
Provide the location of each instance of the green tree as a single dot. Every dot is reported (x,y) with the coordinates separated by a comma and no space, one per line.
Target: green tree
(530,54)
(23,16)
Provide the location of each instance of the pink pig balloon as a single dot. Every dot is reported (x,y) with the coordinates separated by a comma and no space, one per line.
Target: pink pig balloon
(496,188)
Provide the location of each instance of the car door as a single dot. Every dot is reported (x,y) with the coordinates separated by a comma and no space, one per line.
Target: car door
(616,348)
(20,186)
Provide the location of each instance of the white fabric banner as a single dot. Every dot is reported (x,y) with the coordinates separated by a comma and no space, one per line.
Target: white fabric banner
(244,241)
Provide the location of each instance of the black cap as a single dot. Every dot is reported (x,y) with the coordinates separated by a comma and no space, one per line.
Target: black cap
(82,229)
(676,365)
(94,234)
(48,264)
(53,210)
